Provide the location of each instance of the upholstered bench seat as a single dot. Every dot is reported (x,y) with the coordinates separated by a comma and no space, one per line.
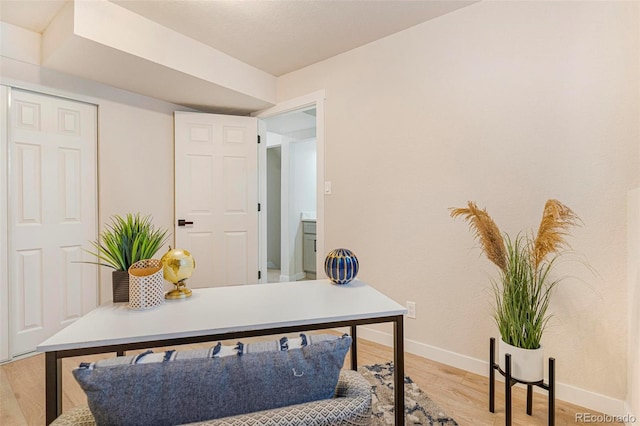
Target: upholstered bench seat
(351,405)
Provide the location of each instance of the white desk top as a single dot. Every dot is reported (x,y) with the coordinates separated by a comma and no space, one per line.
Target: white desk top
(224,310)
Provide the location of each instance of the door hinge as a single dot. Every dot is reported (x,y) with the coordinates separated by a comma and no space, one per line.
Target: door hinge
(259,207)
(259,274)
(258,138)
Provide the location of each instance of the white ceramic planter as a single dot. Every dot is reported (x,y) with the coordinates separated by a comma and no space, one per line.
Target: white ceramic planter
(527,365)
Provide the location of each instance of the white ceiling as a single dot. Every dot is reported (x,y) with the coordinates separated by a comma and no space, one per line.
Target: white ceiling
(276,37)
(282,36)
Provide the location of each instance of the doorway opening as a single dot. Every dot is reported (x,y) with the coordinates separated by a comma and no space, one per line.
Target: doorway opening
(291,195)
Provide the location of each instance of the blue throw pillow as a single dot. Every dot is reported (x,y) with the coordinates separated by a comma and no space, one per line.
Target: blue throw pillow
(178,387)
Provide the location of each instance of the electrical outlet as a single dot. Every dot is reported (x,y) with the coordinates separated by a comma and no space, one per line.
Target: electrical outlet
(411,309)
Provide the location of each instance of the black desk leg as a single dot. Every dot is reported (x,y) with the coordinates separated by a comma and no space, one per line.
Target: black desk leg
(507,389)
(398,363)
(492,375)
(552,392)
(354,350)
(53,386)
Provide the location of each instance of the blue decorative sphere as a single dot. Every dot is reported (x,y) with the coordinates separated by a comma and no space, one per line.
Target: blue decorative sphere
(341,266)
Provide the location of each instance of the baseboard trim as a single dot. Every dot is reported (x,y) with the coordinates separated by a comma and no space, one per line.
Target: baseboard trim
(564,392)
(296,277)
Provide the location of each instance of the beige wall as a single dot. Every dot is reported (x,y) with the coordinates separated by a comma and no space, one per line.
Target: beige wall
(508,104)
(135,146)
(135,165)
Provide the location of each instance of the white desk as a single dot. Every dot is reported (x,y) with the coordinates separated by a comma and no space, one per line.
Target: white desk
(226,313)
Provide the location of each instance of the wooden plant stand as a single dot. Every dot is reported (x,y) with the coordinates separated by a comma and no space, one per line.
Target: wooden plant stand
(510,381)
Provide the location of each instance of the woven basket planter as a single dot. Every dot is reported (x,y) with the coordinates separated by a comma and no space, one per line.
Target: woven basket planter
(146,284)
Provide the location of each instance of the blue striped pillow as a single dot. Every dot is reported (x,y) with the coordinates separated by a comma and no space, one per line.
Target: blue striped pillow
(217,351)
(178,387)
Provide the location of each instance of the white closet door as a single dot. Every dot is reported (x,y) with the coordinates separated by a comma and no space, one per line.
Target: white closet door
(52,215)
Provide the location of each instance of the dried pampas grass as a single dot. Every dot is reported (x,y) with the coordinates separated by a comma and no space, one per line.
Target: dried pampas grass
(556,220)
(486,232)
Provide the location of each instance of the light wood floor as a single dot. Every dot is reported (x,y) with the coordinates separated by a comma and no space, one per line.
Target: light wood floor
(462,395)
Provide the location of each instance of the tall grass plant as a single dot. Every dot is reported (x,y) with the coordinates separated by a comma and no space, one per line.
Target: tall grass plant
(525,286)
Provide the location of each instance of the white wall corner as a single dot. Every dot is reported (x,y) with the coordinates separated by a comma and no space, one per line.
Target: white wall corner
(20,44)
(564,392)
(58,33)
(633,280)
(630,419)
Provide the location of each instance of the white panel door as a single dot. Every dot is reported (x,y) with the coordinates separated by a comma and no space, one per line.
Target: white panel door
(52,215)
(216,189)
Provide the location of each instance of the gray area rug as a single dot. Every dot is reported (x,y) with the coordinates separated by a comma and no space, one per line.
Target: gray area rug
(419,409)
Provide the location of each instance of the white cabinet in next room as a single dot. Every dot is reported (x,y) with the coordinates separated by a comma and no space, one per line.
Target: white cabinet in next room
(309,246)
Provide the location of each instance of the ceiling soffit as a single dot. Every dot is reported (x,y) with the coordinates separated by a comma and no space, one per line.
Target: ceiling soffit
(102,41)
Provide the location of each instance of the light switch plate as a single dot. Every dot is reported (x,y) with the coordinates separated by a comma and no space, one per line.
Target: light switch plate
(327,187)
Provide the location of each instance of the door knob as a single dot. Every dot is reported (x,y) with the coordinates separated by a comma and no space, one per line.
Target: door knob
(182,222)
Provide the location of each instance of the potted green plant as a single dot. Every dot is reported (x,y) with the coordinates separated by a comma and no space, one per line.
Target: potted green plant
(526,283)
(125,241)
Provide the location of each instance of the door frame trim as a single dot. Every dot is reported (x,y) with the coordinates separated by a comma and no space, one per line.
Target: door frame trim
(5,99)
(318,99)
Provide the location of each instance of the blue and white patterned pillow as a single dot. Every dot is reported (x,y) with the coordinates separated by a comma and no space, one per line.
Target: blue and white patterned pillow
(178,387)
(217,351)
